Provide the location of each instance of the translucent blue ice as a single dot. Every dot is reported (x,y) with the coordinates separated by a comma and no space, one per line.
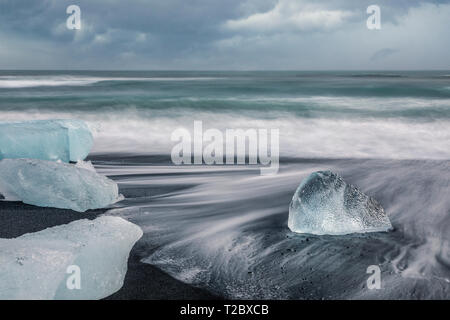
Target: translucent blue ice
(65,140)
(56,184)
(325,204)
(85,259)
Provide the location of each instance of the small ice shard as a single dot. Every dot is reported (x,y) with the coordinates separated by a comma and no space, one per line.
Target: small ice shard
(85,165)
(325,204)
(56,184)
(40,265)
(65,140)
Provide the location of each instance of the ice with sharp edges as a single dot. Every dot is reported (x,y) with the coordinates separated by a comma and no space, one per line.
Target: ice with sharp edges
(36,265)
(325,204)
(65,140)
(56,184)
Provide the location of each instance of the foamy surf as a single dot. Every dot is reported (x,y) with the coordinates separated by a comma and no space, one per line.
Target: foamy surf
(231,228)
(149,132)
(56,81)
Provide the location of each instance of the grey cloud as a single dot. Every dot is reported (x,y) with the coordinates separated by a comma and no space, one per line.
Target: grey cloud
(216,34)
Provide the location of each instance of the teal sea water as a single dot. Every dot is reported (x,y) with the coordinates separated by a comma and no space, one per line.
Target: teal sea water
(340,114)
(224,228)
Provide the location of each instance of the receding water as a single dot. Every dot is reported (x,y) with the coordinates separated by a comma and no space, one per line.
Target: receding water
(225,229)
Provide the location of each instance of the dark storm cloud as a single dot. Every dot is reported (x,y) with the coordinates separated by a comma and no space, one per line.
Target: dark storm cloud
(216,34)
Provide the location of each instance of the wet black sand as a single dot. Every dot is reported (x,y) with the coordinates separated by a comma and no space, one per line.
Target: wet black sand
(142,281)
(17,218)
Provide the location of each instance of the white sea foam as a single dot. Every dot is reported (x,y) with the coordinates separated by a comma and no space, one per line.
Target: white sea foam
(149,132)
(27,82)
(53,81)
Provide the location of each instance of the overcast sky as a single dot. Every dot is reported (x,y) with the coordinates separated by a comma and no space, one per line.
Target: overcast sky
(225,34)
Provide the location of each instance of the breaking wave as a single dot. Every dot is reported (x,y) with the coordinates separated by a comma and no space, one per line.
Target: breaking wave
(12,82)
(149,132)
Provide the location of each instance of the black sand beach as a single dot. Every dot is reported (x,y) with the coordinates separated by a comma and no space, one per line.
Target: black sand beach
(142,281)
(221,231)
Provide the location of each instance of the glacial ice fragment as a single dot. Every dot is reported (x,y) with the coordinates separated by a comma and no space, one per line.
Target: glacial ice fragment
(65,140)
(56,184)
(36,265)
(325,204)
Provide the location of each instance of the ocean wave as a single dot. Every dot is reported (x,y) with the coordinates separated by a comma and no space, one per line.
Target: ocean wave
(149,132)
(376,75)
(259,106)
(53,81)
(333,102)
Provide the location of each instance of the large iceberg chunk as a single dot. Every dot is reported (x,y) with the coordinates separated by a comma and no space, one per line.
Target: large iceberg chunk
(65,140)
(40,265)
(325,204)
(59,185)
